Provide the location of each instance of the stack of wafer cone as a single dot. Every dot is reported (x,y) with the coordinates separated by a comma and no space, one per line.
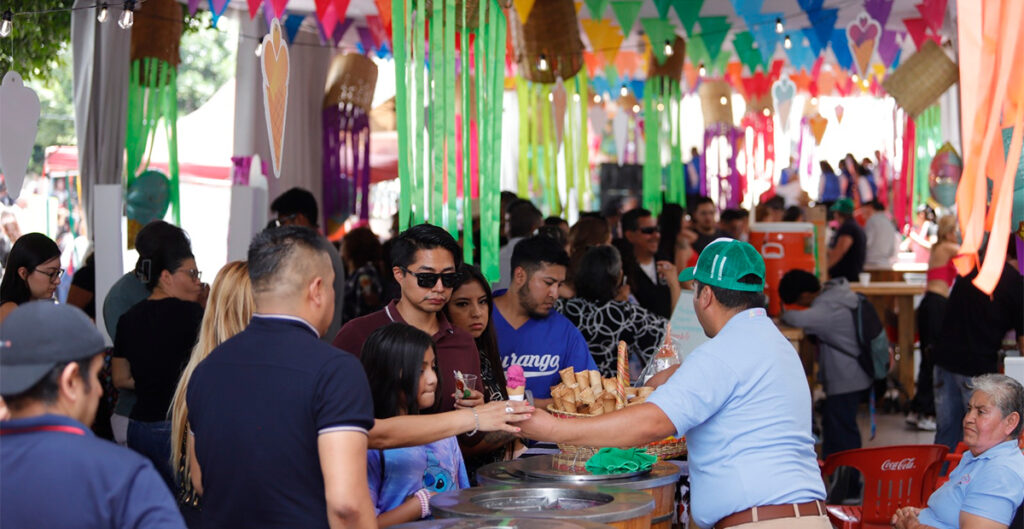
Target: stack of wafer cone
(587,393)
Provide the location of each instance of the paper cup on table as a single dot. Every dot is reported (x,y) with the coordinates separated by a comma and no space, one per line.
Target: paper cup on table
(865,278)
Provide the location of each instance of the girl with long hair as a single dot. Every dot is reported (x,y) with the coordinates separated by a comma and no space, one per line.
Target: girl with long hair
(228,312)
(400,366)
(33,272)
(470,309)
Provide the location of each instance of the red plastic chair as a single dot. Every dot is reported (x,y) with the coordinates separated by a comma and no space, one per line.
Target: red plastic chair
(894,477)
(953,458)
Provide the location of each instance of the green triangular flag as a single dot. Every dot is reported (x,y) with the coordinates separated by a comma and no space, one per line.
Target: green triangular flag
(713,30)
(744,45)
(662,6)
(721,62)
(611,73)
(659,31)
(697,52)
(688,11)
(626,12)
(596,8)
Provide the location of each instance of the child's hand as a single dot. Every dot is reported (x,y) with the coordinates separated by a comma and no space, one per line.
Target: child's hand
(475,399)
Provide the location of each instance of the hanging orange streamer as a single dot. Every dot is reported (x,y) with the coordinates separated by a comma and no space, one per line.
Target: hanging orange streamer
(992,98)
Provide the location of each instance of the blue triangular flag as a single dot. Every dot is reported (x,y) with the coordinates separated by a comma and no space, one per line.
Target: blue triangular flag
(292,23)
(841,48)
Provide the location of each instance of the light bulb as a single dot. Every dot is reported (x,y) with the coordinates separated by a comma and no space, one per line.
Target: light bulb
(778,25)
(866,83)
(723,100)
(576,98)
(702,70)
(597,99)
(551,97)
(542,63)
(127,17)
(102,16)
(623,91)
(814,101)
(668,49)
(7,25)
(855,78)
(259,49)
(766,112)
(788,44)
(636,109)
(661,107)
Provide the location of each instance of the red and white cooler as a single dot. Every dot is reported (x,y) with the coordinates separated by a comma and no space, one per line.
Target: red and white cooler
(784,246)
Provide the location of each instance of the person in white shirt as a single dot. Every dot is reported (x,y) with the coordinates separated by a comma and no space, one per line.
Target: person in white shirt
(881,235)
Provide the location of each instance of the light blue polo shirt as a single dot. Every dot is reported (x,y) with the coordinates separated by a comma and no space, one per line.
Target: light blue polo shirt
(990,485)
(742,401)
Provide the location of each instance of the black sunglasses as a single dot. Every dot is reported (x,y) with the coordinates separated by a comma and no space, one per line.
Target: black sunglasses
(429,279)
(650,230)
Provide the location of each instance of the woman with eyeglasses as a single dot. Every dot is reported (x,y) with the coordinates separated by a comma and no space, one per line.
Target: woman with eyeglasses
(603,315)
(153,343)
(33,272)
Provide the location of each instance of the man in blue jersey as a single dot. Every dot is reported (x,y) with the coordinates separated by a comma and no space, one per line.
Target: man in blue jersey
(530,333)
(740,399)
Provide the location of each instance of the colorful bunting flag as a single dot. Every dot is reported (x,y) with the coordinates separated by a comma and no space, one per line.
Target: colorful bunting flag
(662,6)
(523,7)
(193,6)
(659,31)
(889,47)
(688,11)
(934,13)
(217,8)
(879,10)
(604,38)
(743,43)
(596,8)
(697,51)
(626,12)
(841,49)
(292,23)
(714,31)
(822,23)
(254,7)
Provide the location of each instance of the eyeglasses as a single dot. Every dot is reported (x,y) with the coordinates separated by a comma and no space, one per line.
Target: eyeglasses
(429,279)
(650,230)
(192,272)
(285,220)
(54,274)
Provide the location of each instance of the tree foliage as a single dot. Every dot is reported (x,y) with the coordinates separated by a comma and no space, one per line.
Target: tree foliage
(207,61)
(37,39)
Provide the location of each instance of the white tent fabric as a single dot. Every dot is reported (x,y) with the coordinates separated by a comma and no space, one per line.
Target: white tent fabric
(100,78)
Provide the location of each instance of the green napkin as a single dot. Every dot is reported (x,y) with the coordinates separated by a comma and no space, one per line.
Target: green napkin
(619,461)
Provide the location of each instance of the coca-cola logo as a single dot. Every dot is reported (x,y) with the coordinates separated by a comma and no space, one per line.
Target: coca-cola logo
(906,463)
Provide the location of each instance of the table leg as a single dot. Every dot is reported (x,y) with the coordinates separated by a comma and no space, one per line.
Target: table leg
(905,342)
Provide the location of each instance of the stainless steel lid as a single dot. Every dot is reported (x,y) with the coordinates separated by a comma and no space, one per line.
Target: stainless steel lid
(591,503)
(501,523)
(532,470)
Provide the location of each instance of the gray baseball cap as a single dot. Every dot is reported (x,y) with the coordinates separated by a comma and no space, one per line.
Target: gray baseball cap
(37,336)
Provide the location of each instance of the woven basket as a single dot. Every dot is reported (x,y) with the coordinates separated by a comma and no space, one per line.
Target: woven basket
(573,457)
(472,15)
(351,79)
(672,68)
(552,31)
(922,79)
(157,31)
(711,94)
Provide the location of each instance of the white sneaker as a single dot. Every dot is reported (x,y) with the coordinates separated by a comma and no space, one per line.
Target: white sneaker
(926,423)
(912,419)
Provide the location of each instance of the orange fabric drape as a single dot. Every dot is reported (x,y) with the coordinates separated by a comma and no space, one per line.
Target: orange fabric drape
(992,98)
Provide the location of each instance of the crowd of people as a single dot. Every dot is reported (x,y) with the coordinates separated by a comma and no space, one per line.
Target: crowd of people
(240,410)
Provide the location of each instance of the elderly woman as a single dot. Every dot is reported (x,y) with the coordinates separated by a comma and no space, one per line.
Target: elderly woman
(987,486)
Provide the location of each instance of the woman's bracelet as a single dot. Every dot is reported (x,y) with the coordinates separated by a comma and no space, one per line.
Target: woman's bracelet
(424,496)
(476,422)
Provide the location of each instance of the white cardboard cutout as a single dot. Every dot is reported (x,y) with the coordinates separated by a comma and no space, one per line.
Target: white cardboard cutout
(19,123)
(619,124)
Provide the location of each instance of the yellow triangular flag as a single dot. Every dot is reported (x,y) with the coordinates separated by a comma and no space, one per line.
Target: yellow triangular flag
(523,7)
(604,38)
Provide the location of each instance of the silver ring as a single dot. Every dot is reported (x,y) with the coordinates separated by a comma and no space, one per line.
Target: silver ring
(509,410)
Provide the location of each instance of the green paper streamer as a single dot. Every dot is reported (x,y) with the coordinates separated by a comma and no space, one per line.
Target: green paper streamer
(927,142)
(496,32)
(398,30)
(448,111)
(582,152)
(568,156)
(676,172)
(467,202)
(421,183)
(523,95)
(436,114)
(651,196)
(152,100)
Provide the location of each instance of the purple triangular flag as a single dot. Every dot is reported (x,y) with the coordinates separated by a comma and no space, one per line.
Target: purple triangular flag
(217,8)
(193,6)
(366,38)
(889,47)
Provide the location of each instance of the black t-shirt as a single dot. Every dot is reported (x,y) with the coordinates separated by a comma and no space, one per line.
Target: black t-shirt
(704,240)
(852,262)
(157,337)
(257,406)
(974,325)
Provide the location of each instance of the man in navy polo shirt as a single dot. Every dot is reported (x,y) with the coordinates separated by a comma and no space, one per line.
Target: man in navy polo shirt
(279,418)
(530,333)
(55,472)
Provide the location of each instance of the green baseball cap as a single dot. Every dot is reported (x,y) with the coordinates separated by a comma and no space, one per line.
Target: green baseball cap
(724,262)
(843,205)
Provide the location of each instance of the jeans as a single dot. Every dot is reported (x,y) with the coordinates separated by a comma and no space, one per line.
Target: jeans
(839,428)
(153,440)
(951,397)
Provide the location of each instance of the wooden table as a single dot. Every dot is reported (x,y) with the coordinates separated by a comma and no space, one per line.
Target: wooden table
(895,271)
(884,295)
(804,349)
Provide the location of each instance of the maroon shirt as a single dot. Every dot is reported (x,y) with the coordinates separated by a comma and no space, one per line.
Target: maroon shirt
(455,348)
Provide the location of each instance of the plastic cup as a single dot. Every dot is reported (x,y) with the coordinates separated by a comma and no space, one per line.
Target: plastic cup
(865,278)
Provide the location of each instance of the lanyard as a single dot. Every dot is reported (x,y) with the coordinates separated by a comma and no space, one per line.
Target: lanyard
(50,428)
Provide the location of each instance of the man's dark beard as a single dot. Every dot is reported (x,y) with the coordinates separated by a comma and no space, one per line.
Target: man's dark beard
(528,305)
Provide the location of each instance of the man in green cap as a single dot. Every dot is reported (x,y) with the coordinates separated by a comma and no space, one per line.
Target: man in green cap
(848,248)
(740,399)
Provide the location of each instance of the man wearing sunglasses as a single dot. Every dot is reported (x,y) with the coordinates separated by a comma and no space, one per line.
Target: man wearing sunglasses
(652,277)
(424,259)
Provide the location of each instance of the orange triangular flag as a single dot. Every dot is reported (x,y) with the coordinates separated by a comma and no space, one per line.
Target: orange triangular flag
(523,7)
(604,38)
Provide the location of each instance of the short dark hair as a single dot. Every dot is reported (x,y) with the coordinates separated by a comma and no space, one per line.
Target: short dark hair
(877,205)
(270,249)
(555,221)
(796,282)
(732,214)
(523,218)
(553,232)
(29,251)
(297,200)
(422,237)
(597,278)
(361,246)
(631,219)
(776,202)
(737,299)
(392,358)
(535,251)
(792,214)
(48,387)
(700,201)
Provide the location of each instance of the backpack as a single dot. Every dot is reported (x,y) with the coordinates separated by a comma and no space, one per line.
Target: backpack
(873,356)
